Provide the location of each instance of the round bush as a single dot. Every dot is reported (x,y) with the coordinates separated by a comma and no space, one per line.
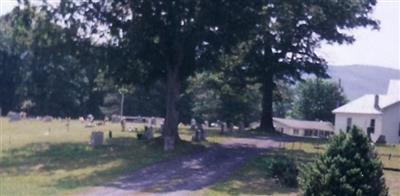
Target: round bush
(349,167)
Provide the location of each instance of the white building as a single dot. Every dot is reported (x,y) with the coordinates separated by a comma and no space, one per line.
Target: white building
(380,114)
(304,128)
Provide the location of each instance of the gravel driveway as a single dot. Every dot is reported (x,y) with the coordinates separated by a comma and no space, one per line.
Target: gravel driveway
(188,173)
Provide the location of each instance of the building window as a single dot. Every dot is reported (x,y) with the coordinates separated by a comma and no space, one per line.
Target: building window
(307,132)
(296,131)
(316,133)
(348,124)
(372,126)
(399,129)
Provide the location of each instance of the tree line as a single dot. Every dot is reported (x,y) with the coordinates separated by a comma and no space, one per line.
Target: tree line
(73,57)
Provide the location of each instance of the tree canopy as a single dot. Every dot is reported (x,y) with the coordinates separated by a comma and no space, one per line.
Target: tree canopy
(285,41)
(160,39)
(79,53)
(317,98)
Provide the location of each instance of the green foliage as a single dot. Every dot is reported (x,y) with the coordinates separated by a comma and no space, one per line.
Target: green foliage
(44,65)
(283,98)
(350,166)
(283,169)
(287,36)
(215,97)
(317,98)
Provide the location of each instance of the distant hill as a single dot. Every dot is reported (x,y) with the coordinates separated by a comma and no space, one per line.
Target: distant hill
(358,80)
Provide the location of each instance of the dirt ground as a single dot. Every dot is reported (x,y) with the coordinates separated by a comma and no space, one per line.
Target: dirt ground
(187,174)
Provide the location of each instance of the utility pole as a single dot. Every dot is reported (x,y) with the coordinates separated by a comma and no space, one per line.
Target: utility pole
(122,103)
(123,91)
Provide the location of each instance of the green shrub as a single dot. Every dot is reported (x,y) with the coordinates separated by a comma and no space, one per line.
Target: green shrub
(283,169)
(349,167)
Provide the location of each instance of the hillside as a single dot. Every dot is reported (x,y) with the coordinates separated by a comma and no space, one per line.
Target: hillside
(358,80)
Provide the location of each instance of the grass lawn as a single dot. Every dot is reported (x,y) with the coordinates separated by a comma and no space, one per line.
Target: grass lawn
(251,179)
(39,158)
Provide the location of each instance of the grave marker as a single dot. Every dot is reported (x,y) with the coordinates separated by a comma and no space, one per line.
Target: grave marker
(96,139)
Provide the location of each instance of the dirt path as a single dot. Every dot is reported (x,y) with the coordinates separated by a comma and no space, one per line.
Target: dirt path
(188,173)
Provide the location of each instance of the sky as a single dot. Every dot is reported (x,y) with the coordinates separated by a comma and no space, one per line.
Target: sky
(379,48)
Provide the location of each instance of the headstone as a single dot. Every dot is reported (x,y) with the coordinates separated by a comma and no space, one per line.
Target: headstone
(123,124)
(109,139)
(81,119)
(47,118)
(199,134)
(168,143)
(161,128)
(206,123)
(115,118)
(241,126)
(23,115)
(13,116)
(90,118)
(148,133)
(96,139)
(153,121)
(193,124)
(196,137)
(222,128)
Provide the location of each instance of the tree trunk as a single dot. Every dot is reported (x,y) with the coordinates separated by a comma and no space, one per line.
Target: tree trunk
(170,132)
(266,122)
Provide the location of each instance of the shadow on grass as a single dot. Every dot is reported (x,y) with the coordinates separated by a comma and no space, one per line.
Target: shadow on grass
(253,178)
(47,158)
(191,172)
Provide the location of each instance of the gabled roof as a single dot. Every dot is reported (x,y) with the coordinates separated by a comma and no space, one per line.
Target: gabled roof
(304,124)
(366,103)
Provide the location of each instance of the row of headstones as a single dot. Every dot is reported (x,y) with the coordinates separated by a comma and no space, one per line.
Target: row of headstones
(97,137)
(152,123)
(230,127)
(199,133)
(17,116)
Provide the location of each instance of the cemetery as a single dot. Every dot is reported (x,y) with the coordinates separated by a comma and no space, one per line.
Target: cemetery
(65,157)
(199,97)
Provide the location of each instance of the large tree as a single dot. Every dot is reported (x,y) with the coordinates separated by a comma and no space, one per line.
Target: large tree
(220,96)
(159,39)
(9,67)
(285,42)
(317,98)
(45,67)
